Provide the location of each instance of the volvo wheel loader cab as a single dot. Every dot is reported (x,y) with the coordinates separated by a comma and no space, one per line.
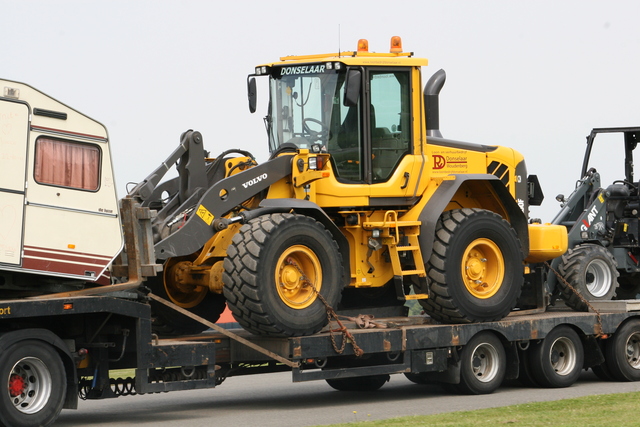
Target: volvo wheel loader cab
(602,222)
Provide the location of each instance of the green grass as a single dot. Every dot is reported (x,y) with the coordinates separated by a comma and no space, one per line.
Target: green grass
(600,410)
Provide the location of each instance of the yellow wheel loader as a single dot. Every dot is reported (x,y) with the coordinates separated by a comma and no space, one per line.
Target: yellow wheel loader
(362,203)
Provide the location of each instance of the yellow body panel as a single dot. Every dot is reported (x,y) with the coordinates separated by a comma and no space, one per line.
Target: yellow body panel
(547,241)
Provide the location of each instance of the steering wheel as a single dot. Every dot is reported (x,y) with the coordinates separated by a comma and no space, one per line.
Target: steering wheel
(313,134)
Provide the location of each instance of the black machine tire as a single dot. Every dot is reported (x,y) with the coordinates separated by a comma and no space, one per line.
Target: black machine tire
(270,264)
(35,384)
(557,360)
(475,268)
(368,383)
(169,322)
(483,364)
(592,271)
(622,352)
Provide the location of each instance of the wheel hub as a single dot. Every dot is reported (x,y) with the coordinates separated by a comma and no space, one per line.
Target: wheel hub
(179,287)
(598,278)
(563,356)
(482,268)
(298,277)
(633,351)
(30,385)
(484,362)
(17,385)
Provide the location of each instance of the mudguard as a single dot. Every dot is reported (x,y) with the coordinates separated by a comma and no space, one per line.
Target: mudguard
(444,194)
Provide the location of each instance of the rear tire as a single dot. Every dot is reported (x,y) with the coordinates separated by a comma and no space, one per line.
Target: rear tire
(369,383)
(557,361)
(169,322)
(593,273)
(35,384)
(483,364)
(275,268)
(622,352)
(475,268)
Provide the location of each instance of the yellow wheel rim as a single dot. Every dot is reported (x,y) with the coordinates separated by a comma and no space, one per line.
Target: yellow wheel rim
(482,268)
(179,291)
(297,273)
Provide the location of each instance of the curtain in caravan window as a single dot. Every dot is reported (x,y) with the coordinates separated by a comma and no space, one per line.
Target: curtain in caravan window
(67,164)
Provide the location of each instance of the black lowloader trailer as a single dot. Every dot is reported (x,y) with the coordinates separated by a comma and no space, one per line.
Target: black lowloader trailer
(57,350)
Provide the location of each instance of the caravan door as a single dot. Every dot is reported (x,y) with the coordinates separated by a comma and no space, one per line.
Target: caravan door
(14,125)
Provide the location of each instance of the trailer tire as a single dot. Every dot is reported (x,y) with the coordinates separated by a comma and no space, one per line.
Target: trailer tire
(168,322)
(368,383)
(525,376)
(483,364)
(279,272)
(419,378)
(475,268)
(557,360)
(622,352)
(36,398)
(592,271)
(602,372)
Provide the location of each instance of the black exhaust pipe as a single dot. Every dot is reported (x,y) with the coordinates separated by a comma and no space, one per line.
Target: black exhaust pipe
(431,103)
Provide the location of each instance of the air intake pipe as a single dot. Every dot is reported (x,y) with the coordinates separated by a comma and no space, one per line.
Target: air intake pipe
(431,103)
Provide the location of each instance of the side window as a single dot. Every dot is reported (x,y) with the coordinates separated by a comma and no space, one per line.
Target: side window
(67,164)
(390,121)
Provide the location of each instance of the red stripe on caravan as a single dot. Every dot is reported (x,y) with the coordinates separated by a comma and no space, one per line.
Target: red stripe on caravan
(76,257)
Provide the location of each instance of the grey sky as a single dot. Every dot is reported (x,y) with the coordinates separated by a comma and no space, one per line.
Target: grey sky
(532,75)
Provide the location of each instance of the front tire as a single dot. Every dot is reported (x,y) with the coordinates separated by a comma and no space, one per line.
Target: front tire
(278,269)
(592,271)
(35,384)
(475,268)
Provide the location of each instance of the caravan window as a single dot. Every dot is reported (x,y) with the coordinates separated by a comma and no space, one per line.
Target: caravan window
(67,164)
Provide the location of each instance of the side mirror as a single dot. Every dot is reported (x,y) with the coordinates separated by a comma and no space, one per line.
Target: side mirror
(352,88)
(252,93)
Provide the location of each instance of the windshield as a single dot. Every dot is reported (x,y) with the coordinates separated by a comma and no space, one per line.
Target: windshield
(301,104)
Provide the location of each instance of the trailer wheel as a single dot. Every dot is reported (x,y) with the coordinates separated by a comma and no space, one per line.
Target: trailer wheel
(169,322)
(483,364)
(369,383)
(525,376)
(622,352)
(35,384)
(279,272)
(602,372)
(475,268)
(592,271)
(419,378)
(557,360)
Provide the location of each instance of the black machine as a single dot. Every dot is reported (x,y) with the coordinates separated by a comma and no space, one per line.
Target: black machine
(603,260)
